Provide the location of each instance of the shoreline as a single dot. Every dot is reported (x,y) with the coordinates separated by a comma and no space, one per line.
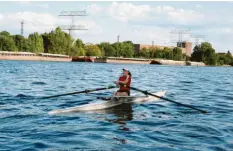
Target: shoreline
(26,56)
(147,61)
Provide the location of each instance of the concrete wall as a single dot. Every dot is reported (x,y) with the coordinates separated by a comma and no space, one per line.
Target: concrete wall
(173,62)
(122,60)
(34,58)
(196,63)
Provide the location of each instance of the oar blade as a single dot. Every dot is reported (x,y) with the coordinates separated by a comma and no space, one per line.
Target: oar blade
(169,100)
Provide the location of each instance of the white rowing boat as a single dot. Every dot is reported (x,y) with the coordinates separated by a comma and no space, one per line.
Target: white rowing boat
(111,102)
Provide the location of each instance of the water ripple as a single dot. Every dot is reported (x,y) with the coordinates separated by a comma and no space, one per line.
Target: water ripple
(26,125)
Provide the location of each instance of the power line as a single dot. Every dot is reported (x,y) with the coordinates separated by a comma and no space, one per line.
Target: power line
(72,25)
(180,33)
(197,38)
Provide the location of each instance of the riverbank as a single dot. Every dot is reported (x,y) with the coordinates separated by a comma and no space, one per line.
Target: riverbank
(28,56)
(147,61)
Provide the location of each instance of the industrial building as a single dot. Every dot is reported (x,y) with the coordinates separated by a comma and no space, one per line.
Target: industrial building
(185,46)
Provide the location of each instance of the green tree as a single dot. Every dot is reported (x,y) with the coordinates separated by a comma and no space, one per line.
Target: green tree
(5,33)
(225,58)
(6,42)
(60,42)
(159,53)
(78,49)
(35,42)
(107,49)
(75,51)
(204,53)
(228,58)
(168,54)
(144,52)
(197,54)
(152,51)
(46,42)
(177,54)
(212,59)
(21,43)
(119,49)
(128,49)
(92,50)
(79,43)
(125,49)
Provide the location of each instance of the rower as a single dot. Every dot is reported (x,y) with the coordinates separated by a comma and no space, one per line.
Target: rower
(123,82)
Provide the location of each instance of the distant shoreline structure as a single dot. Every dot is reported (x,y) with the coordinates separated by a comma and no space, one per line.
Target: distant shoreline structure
(28,56)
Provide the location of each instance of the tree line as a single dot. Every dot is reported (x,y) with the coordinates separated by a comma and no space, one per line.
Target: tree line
(206,53)
(59,42)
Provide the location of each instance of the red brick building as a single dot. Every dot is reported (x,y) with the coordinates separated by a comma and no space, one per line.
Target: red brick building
(186,47)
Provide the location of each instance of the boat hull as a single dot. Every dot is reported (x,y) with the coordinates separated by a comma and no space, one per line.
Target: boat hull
(101,105)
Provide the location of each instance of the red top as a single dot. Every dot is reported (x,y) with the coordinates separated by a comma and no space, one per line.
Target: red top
(127,85)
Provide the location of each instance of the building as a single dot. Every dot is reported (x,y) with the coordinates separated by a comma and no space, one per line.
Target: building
(139,47)
(185,46)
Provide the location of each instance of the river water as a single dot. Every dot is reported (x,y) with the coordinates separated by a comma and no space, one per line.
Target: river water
(26,125)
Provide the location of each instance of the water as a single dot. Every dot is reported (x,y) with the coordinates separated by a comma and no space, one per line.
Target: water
(26,125)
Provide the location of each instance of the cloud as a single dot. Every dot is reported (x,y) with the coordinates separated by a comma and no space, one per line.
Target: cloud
(43,22)
(125,11)
(94,9)
(92,28)
(31,4)
(220,30)
(46,6)
(1,17)
(33,22)
(199,6)
(173,15)
(185,16)
(129,12)
(145,35)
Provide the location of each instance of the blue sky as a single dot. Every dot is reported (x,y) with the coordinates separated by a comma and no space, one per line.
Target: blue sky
(142,22)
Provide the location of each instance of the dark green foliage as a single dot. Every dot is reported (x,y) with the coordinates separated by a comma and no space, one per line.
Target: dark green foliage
(59,42)
(145,53)
(92,50)
(108,49)
(177,54)
(124,49)
(78,49)
(7,42)
(205,53)
(21,43)
(35,43)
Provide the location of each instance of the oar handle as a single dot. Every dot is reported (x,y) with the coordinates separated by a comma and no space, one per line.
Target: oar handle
(78,92)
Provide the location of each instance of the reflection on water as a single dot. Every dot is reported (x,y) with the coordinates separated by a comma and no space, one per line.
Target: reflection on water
(122,113)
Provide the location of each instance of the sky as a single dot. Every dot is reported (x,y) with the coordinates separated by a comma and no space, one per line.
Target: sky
(141,22)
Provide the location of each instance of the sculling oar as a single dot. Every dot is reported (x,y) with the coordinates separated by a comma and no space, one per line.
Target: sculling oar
(78,92)
(166,99)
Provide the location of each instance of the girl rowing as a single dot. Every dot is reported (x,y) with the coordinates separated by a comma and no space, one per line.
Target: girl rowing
(123,82)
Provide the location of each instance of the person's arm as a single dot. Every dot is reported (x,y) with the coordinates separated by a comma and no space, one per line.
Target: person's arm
(124,82)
